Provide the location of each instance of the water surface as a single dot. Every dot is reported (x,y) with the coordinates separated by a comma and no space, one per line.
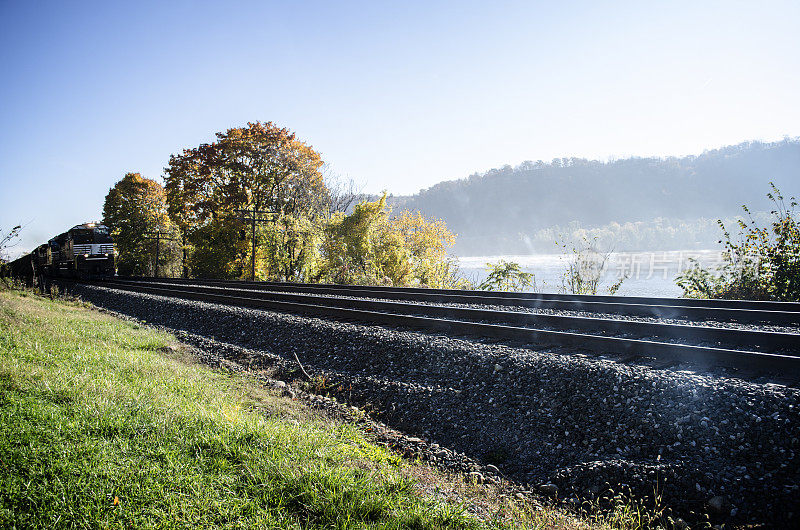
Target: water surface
(646,273)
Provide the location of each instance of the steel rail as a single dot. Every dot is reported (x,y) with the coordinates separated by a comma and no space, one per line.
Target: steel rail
(702,355)
(693,302)
(676,308)
(761,340)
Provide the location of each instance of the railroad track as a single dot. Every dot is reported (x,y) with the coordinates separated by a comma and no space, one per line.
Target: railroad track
(664,343)
(745,312)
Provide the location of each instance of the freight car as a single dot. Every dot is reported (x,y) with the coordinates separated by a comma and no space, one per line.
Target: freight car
(21,268)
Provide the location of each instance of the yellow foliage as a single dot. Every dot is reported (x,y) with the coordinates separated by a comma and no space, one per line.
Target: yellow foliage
(262,168)
(428,241)
(369,246)
(132,208)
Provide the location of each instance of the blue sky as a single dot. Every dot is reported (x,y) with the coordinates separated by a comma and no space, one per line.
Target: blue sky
(396,96)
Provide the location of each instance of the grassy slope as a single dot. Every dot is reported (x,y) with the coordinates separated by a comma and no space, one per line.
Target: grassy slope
(107,424)
(99,427)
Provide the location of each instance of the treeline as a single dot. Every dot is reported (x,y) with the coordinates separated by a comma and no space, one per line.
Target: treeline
(515,210)
(254,204)
(656,234)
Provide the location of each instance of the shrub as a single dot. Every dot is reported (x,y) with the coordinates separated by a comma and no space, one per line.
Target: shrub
(762,264)
(507,276)
(585,269)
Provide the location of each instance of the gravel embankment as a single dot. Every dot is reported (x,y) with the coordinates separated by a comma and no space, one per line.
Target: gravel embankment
(560,424)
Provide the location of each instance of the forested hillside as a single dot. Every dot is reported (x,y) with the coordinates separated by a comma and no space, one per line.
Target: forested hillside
(630,204)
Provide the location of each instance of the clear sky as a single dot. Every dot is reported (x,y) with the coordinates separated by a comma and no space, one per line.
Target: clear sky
(397,96)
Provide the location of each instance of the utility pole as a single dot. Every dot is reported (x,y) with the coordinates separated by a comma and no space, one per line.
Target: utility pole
(252,217)
(158,235)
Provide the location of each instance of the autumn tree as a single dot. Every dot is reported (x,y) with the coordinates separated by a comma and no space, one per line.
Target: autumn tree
(427,241)
(291,247)
(135,209)
(351,252)
(369,246)
(213,190)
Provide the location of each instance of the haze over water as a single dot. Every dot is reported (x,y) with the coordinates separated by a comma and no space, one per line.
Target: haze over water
(648,273)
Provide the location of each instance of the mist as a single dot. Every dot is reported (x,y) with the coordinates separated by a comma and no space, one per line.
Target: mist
(632,204)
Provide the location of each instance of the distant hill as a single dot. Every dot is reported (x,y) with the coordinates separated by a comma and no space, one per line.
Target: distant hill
(631,204)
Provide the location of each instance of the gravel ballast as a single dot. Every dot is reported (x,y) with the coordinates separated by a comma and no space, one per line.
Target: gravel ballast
(567,426)
(537,311)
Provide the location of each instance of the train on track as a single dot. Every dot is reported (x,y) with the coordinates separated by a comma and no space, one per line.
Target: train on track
(85,251)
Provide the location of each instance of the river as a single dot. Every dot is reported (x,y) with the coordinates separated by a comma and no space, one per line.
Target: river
(646,273)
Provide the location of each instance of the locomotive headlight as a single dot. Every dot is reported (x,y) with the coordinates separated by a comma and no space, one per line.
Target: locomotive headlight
(86,255)
(106,254)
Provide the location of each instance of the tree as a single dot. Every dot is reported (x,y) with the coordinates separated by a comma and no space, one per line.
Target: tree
(360,248)
(262,169)
(341,194)
(291,245)
(8,240)
(134,210)
(369,246)
(427,241)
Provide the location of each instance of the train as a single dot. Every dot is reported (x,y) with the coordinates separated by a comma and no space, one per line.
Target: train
(85,251)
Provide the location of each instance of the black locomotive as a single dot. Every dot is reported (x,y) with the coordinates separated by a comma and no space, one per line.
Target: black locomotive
(85,251)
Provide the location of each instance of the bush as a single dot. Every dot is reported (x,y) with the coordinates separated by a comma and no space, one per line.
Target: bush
(762,264)
(585,269)
(507,276)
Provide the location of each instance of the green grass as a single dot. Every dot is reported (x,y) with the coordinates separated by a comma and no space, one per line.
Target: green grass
(105,424)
